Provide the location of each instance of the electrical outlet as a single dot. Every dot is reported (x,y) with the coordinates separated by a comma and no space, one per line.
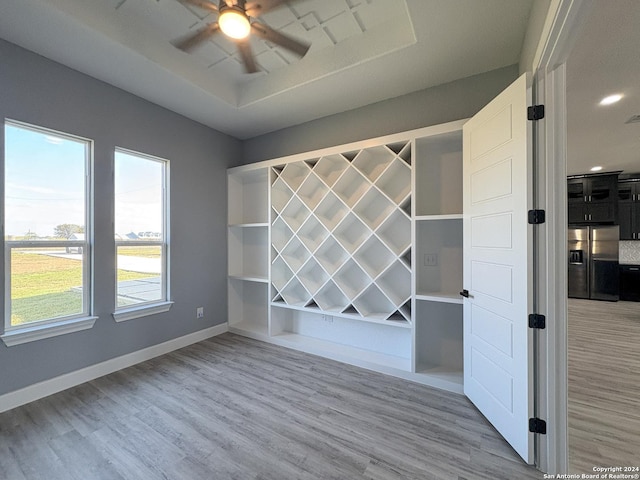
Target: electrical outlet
(430,259)
(327,318)
(200,312)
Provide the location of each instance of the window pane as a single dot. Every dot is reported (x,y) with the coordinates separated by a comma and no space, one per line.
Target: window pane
(138,197)
(139,275)
(45,283)
(44,185)
(45,201)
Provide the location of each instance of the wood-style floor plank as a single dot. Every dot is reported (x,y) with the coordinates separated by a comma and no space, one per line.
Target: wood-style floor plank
(235,408)
(604,384)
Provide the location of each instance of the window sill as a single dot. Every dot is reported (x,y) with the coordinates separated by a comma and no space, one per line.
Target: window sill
(33,333)
(142,311)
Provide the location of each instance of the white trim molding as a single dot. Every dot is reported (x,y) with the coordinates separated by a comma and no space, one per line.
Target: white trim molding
(54,385)
(32,333)
(125,314)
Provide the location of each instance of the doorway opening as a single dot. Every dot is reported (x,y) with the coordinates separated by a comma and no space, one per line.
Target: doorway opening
(603,168)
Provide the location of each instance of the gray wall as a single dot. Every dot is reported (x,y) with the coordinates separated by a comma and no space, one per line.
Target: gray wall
(444,103)
(41,92)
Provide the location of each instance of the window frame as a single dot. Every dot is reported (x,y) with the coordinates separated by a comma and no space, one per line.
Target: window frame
(163,304)
(35,330)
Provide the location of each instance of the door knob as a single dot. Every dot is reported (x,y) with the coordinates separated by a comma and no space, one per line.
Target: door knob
(465,293)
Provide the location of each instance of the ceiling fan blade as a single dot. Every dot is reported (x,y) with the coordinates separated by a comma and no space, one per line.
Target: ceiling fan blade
(258,7)
(269,34)
(204,4)
(197,38)
(247,57)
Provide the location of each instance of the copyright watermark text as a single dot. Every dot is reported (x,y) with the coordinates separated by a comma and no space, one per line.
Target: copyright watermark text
(601,473)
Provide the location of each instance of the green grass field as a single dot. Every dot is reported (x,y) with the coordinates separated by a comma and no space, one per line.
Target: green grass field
(44,286)
(146,252)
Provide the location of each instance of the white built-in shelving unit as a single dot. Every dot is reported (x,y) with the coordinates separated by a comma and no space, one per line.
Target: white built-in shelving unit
(355,253)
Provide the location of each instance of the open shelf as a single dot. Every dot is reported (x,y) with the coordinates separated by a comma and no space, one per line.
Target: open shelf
(312,191)
(440,297)
(281,274)
(351,186)
(295,213)
(312,276)
(348,313)
(321,252)
(248,252)
(373,208)
(372,303)
(248,197)
(351,279)
(375,343)
(280,234)
(395,182)
(280,195)
(312,233)
(351,233)
(250,278)
(396,283)
(438,261)
(294,174)
(295,254)
(330,168)
(374,257)
(251,330)
(295,293)
(373,161)
(331,211)
(331,255)
(438,339)
(395,232)
(438,174)
(428,218)
(250,225)
(248,303)
(331,299)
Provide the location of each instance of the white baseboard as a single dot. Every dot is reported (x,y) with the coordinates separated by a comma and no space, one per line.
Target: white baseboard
(54,385)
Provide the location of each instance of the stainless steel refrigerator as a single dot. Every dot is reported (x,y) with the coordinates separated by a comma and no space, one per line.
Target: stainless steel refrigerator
(593,262)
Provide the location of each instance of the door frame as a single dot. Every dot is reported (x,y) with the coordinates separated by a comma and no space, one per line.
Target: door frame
(564,20)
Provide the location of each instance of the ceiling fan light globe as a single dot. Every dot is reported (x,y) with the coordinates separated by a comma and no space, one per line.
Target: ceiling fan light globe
(234,24)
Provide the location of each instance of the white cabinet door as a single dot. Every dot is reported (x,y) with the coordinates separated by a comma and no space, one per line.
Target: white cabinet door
(497,259)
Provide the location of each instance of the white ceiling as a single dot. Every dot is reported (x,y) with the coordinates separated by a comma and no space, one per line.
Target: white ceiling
(362,51)
(605,61)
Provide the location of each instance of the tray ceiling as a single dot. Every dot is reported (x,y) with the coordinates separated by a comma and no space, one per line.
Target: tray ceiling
(362,51)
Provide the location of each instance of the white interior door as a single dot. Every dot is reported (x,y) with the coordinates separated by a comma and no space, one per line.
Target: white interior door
(498,366)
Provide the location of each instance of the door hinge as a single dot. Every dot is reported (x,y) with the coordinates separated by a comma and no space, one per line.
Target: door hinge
(537,425)
(537,321)
(536,217)
(535,112)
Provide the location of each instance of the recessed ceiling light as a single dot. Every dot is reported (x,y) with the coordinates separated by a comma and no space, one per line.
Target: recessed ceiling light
(596,169)
(610,99)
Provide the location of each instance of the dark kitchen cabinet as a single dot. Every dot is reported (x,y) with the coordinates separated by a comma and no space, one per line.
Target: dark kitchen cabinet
(630,283)
(593,199)
(629,210)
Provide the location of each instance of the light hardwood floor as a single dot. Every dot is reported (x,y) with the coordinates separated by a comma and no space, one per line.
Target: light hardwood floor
(604,384)
(235,408)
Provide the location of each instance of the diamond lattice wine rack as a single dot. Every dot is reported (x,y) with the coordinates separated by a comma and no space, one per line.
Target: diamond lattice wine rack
(341,234)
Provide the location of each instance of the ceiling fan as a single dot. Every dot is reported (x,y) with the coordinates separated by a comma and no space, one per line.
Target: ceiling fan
(237,20)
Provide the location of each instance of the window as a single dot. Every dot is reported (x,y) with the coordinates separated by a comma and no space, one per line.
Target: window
(47,227)
(140,232)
